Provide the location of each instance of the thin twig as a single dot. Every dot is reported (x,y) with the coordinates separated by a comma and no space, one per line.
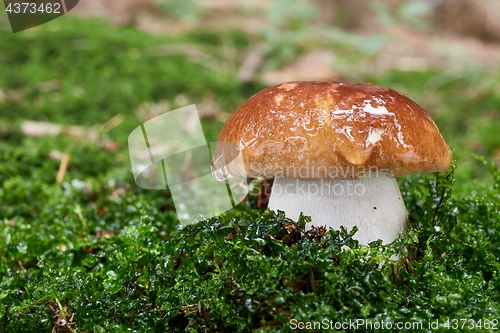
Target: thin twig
(63,166)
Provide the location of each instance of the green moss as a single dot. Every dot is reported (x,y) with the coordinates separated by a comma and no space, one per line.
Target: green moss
(256,269)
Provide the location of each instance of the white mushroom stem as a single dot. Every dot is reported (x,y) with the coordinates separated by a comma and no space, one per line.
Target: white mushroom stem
(373,203)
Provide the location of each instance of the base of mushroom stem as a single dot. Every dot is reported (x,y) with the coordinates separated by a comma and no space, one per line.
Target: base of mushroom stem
(373,203)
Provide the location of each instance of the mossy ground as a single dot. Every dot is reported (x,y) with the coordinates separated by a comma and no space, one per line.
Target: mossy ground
(99,247)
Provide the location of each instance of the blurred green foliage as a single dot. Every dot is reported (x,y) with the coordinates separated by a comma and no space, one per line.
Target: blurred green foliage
(113,254)
(413,13)
(294,26)
(85,74)
(289,28)
(182,9)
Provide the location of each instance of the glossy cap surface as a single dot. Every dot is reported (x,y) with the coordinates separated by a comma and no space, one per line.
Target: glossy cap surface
(315,130)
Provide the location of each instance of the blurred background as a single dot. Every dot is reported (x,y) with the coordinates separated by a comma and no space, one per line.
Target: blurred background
(75,227)
(109,65)
(325,39)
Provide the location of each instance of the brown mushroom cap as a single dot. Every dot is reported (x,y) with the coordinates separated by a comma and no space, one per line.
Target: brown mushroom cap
(315,130)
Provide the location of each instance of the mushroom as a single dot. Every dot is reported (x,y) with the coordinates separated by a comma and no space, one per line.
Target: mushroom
(334,150)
